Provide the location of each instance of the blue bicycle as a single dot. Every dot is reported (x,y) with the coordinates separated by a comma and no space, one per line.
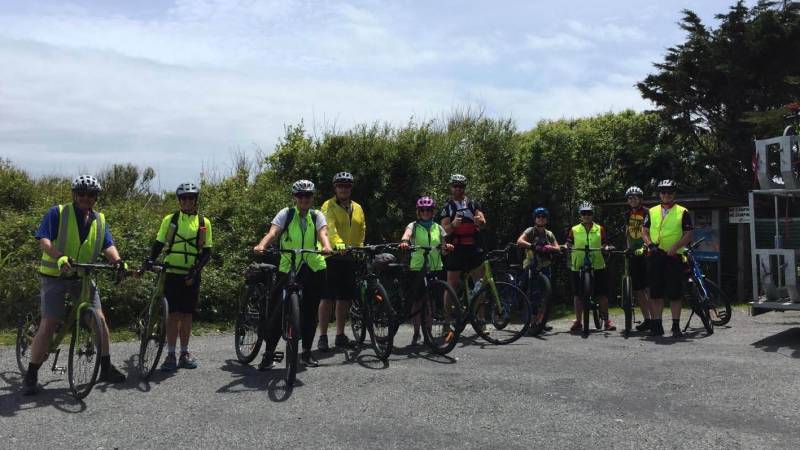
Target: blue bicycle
(707,300)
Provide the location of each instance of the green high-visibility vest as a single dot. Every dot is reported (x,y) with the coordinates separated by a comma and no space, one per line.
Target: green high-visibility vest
(68,241)
(426,237)
(580,236)
(295,237)
(668,231)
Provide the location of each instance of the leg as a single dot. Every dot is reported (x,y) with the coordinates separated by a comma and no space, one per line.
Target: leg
(325,309)
(644,303)
(185,329)
(105,334)
(578,306)
(47,328)
(342,308)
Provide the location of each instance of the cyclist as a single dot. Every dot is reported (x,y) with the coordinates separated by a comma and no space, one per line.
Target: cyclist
(69,233)
(299,227)
(427,233)
(346,228)
(637,266)
(462,219)
(188,246)
(595,235)
(667,229)
(539,243)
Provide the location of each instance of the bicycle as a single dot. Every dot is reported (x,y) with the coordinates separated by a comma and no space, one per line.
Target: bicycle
(627,295)
(153,323)
(586,288)
(499,304)
(84,326)
(539,291)
(704,295)
(439,306)
(252,313)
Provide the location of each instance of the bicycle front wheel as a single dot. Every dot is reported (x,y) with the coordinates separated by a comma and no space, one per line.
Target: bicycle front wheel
(252,310)
(540,300)
(84,353)
(381,320)
(27,326)
(504,318)
(441,316)
(357,322)
(292,336)
(154,334)
(701,307)
(721,310)
(627,303)
(586,296)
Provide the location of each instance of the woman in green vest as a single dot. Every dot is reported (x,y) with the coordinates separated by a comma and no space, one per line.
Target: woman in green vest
(427,233)
(667,229)
(595,235)
(299,227)
(187,244)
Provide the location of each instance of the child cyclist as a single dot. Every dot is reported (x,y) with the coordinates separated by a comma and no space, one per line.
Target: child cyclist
(539,243)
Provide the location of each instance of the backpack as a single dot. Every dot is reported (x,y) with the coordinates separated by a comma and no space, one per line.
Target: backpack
(290,217)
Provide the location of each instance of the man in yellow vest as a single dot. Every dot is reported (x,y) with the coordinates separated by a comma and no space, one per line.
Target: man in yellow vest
(595,235)
(299,227)
(667,229)
(346,228)
(71,232)
(188,246)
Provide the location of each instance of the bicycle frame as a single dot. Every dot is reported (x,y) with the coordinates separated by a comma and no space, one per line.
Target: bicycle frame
(487,278)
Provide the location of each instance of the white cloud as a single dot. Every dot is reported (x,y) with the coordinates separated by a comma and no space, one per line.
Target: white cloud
(557,42)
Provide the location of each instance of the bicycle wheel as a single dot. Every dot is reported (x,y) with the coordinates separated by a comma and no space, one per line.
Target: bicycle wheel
(27,326)
(357,322)
(586,296)
(381,319)
(441,316)
(627,304)
(153,336)
(292,336)
(540,301)
(247,335)
(596,316)
(701,307)
(463,297)
(84,353)
(721,310)
(504,318)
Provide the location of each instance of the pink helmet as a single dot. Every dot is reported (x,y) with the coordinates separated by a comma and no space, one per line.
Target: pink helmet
(425,202)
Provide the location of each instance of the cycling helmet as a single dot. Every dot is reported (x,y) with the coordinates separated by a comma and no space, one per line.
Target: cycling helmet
(187,188)
(343,177)
(541,211)
(457,178)
(86,183)
(634,191)
(425,202)
(666,185)
(302,186)
(585,206)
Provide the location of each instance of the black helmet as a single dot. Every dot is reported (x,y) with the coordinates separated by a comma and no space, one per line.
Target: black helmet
(343,177)
(667,185)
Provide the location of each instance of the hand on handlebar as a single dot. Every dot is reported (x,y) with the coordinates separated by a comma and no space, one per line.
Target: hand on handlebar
(64,263)
(403,245)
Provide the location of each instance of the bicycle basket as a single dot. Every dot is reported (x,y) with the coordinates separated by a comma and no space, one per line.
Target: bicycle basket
(382,261)
(258,273)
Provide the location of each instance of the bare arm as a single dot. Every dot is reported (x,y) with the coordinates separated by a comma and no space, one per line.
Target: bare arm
(273,232)
(112,254)
(47,246)
(522,242)
(322,235)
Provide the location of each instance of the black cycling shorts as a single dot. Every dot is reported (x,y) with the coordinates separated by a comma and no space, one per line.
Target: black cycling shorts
(665,276)
(600,282)
(180,297)
(464,258)
(341,283)
(637,269)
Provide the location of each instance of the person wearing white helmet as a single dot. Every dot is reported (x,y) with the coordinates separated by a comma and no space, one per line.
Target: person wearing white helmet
(299,226)
(347,227)
(637,265)
(186,239)
(667,230)
(588,231)
(462,219)
(67,233)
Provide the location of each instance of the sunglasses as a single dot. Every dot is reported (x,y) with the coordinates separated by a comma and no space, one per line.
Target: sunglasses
(587,213)
(304,195)
(187,197)
(457,186)
(541,216)
(86,194)
(667,191)
(425,209)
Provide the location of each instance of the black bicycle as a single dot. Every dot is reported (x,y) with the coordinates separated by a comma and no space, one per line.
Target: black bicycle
(252,313)
(586,288)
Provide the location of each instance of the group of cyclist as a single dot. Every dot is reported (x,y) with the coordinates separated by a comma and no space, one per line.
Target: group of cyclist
(76,232)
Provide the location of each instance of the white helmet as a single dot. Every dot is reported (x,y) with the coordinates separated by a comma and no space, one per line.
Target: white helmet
(86,183)
(343,177)
(188,188)
(634,191)
(457,178)
(585,206)
(667,185)
(302,186)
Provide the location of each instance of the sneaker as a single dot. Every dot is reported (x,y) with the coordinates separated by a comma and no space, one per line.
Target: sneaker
(342,341)
(267,362)
(644,326)
(322,343)
(308,360)
(608,325)
(30,385)
(187,362)
(576,326)
(656,329)
(676,331)
(170,363)
(112,375)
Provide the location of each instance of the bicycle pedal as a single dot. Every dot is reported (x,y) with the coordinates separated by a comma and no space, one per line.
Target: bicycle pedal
(61,370)
(278,357)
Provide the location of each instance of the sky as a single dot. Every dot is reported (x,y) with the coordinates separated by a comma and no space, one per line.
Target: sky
(184,85)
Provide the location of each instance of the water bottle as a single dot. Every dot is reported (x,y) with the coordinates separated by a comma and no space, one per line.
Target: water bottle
(476,288)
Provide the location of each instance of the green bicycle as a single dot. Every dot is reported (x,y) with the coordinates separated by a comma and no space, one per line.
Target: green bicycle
(499,312)
(153,323)
(84,327)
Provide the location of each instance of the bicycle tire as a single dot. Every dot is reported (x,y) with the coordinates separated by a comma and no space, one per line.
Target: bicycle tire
(84,353)
(27,327)
(248,334)
(292,336)
(627,304)
(381,319)
(357,322)
(153,336)
(501,327)
(701,308)
(720,304)
(586,295)
(540,310)
(440,317)
(465,314)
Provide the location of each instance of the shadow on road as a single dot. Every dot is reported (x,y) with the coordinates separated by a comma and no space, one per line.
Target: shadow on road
(12,401)
(788,339)
(132,378)
(247,378)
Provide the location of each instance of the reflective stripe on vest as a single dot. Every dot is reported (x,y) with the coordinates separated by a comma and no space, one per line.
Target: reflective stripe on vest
(669,231)
(426,237)
(580,236)
(296,237)
(68,240)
